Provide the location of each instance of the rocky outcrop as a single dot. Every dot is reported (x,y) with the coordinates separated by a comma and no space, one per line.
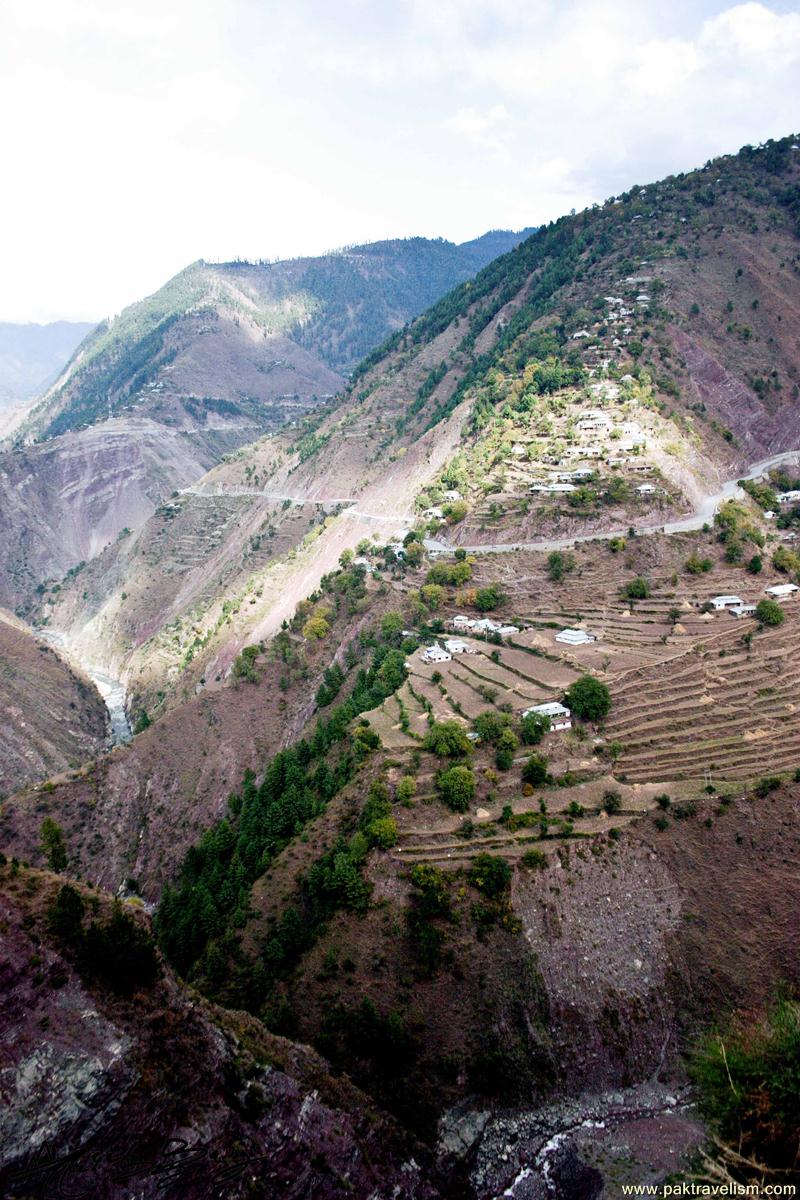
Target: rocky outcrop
(157,1094)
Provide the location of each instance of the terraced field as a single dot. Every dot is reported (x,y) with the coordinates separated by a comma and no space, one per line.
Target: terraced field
(698,698)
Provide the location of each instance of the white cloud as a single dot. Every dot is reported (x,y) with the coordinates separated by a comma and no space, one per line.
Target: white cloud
(474,123)
(139,136)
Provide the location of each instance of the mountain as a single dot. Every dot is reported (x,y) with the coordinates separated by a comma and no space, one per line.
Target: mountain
(220,355)
(342,806)
(31,358)
(32,355)
(481,394)
(237,336)
(148,1085)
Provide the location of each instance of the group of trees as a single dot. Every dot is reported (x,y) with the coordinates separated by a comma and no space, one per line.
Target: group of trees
(115,950)
(212,896)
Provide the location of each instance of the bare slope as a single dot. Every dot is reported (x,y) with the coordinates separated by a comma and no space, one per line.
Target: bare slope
(51,718)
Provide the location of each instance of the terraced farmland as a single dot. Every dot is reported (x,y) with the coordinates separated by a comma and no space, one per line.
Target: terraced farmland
(697,698)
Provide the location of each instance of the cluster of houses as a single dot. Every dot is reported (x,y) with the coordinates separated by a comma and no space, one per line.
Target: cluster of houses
(737,607)
(437,653)
(483,625)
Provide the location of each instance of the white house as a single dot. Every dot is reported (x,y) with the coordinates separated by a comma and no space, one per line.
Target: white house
(770,514)
(551,489)
(360,561)
(560,716)
(742,610)
(782,591)
(486,625)
(788,497)
(646,489)
(595,420)
(456,646)
(431,514)
(462,622)
(435,653)
(585,451)
(579,473)
(721,602)
(452,496)
(575,637)
(508,630)
(581,333)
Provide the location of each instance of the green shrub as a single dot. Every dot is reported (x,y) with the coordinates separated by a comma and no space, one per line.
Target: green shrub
(65,915)
(490,726)
(637,589)
(612,802)
(559,564)
(490,874)
(769,612)
(534,770)
(54,847)
(448,739)
(696,565)
(588,698)
(406,788)
(534,860)
(507,743)
(747,1078)
(456,787)
(244,665)
(489,597)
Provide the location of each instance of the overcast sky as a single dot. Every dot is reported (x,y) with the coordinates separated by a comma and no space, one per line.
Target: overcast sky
(140,135)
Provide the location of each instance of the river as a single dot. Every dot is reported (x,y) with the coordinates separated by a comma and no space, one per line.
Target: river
(111,690)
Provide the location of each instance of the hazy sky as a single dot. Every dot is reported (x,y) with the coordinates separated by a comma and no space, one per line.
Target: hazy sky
(140,135)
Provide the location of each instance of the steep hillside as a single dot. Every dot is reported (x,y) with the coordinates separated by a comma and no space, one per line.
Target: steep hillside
(552,395)
(66,499)
(51,717)
(244,335)
(220,355)
(508,926)
(115,1077)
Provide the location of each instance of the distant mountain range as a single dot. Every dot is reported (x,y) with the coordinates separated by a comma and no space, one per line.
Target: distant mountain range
(230,341)
(32,355)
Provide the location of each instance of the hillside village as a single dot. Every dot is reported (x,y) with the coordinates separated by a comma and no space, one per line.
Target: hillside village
(464,711)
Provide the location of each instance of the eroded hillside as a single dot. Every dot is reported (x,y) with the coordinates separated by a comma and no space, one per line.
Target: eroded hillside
(141,1084)
(52,718)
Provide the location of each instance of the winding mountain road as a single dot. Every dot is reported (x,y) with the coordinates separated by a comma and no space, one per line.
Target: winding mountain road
(702,514)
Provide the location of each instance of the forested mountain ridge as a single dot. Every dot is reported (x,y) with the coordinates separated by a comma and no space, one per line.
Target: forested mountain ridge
(284,329)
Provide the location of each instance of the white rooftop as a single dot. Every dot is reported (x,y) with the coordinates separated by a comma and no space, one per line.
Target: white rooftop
(552,709)
(575,637)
